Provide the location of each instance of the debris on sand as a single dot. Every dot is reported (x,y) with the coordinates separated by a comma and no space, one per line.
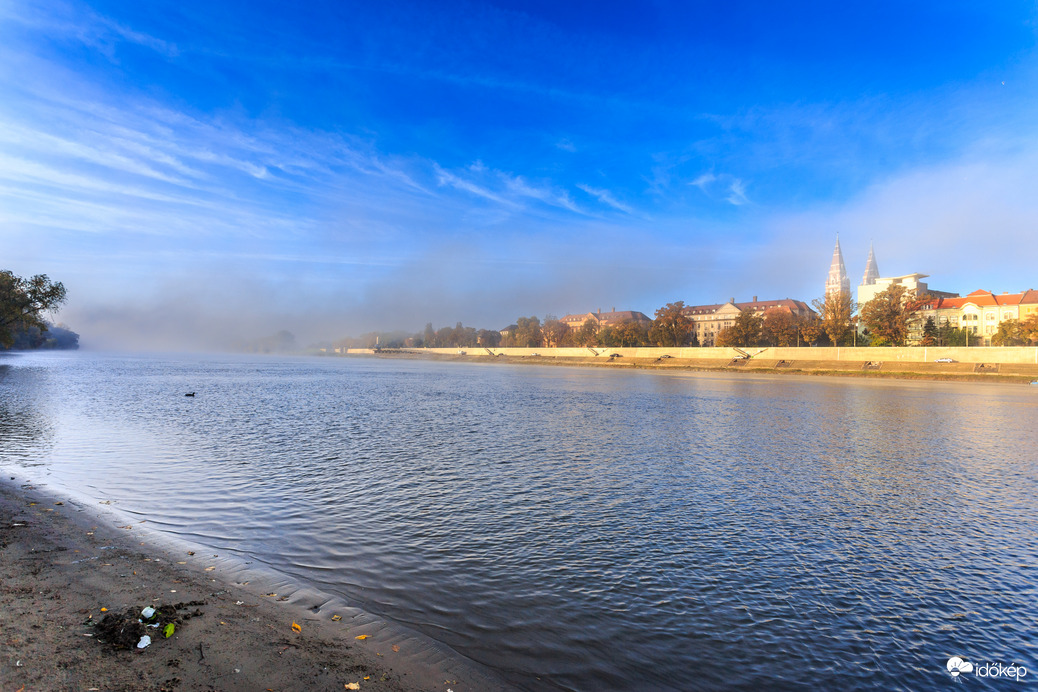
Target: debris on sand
(126,630)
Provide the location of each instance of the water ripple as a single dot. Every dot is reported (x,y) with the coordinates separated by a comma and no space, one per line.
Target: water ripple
(578,529)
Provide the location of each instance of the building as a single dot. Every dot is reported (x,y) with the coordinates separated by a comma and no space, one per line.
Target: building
(1028,304)
(979,312)
(913,287)
(709,320)
(605,319)
(872,284)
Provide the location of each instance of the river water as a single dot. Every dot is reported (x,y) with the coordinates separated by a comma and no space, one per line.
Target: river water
(581,529)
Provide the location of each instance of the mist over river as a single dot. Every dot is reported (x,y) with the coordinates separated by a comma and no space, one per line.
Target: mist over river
(580,529)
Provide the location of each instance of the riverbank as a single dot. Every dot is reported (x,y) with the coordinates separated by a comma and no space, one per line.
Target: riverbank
(72,583)
(991,372)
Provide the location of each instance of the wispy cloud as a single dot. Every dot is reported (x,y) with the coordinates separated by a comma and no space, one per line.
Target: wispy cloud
(722,186)
(737,193)
(72,21)
(566,145)
(606,197)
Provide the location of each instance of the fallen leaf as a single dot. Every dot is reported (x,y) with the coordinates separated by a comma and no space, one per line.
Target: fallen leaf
(104,610)
(395,648)
(336,618)
(352,685)
(168,630)
(296,628)
(209,569)
(59,503)
(363,636)
(190,552)
(126,527)
(367,677)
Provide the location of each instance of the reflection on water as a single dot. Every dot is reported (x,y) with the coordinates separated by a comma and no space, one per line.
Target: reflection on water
(582,529)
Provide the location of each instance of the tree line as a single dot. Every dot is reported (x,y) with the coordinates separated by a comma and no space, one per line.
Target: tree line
(23,303)
(892,318)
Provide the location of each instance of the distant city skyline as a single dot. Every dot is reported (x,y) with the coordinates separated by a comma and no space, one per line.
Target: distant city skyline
(201,172)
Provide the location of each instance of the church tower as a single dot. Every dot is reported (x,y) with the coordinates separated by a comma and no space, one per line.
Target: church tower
(837,280)
(871,270)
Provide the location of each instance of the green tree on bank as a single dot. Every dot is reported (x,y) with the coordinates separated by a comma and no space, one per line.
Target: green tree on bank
(23,303)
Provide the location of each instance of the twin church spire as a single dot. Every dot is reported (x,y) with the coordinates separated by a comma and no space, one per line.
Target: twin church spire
(837,280)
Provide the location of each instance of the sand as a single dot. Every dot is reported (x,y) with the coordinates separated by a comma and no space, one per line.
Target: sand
(72,583)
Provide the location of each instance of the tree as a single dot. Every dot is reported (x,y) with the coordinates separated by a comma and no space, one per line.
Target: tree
(930,333)
(889,315)
(811,329)
(1029,327)
(835,311)
(554,331)
(587,335)
(1010,333)
(56,337)
(671,326)
(528,332)
(885,317)
(779,327)
(488,338)
(948,335)
(629,333)
(745,331)
(24,301)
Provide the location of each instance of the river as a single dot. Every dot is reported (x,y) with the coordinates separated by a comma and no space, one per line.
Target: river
(575,528)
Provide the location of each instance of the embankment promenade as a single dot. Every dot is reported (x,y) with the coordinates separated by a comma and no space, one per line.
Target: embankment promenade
(988,363)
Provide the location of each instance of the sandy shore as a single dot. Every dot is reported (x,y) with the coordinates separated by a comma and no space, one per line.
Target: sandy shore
(72,583)
(957,372)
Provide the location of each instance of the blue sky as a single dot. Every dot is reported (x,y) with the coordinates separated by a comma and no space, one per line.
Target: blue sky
(195,172)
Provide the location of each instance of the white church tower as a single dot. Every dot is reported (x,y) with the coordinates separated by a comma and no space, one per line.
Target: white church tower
(871,270)
(837,280)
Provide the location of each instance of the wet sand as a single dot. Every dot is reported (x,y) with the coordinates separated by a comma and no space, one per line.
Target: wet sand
(65,568)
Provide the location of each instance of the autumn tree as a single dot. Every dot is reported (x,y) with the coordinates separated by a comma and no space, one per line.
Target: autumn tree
(744,331)
(23,303)
(630,333)
(834,312)
(811,329)
(888,316)
(587,335)
(1010,333)
(528,332)
(488,338)
(554,331)
(1029,327)
(779,327)
(671,327)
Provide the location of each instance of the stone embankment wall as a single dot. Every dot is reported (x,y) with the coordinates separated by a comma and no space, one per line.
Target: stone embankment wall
(1019,355)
